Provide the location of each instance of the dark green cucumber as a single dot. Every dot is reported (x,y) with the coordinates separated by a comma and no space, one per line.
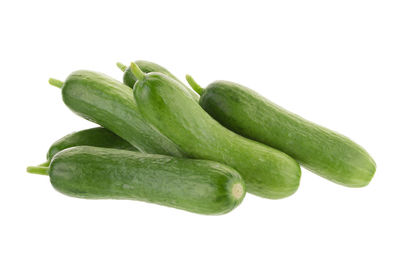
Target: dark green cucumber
(163,102)
(319,149)
(199,186)
(147,67)
(109,103)
(98,137)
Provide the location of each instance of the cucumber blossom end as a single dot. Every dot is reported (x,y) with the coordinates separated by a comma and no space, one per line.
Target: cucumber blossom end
(238,191)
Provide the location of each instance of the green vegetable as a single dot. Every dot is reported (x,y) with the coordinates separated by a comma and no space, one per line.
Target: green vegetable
(109,103)
(147,67)
(199,186)
(163,102)
(98,137)
(319,149)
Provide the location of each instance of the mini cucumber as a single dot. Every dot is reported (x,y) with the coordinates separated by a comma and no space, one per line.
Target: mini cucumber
(322,151)
(198,186)
(163,102)
(147,67)
(109,103)
(98,137)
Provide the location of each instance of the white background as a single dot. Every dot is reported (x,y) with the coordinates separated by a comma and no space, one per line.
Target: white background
(333,62)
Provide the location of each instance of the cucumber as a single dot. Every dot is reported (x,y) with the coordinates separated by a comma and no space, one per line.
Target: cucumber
(98,137)
(109,103)
(320,150)
(163,102)
(147,67)
(198,186)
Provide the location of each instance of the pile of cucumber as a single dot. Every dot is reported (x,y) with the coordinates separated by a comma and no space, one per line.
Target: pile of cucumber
(191,148)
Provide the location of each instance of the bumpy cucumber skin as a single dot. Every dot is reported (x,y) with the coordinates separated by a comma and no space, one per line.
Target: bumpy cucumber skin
(98,137)
(147,67)
(266,171)
(109,103)
(318,149)
(198,186)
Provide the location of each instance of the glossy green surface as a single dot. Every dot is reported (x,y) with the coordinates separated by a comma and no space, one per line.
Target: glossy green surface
(319,149)
(110,103)
(199,186)
(147,67)
(98,137)
(266,171)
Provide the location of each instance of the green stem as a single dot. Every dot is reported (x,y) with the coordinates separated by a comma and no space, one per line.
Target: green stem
(38,170)
(139,74)
(121,66)
(56,83)
(194,84)
(45,164)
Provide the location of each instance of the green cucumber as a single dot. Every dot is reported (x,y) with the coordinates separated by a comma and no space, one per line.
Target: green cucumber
(98,137)
(147,67)
(109,103)
(322,151)
(198,186)
(163,102)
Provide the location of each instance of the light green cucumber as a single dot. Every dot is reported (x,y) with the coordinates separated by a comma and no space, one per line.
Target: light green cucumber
(109,103)
(198,186)
(164,103)
(98,137)
(147,67)
(322,151)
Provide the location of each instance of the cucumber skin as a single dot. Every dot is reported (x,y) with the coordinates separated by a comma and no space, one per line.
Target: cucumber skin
(109,103)
(266,171)
(198,186)
(318,149)
(147,67)
(98,137)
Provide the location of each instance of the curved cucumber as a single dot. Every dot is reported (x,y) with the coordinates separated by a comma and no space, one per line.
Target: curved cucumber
(319,149)
(199,186)
(147,67)
(266,171)
(98,137)
(109,103)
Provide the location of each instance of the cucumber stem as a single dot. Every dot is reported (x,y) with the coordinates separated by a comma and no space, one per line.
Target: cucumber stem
(56,83)
(139,74)
(194,84)
(45,164)
(121,66)
(38,170)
